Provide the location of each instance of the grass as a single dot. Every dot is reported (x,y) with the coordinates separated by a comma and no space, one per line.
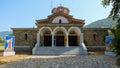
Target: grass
(7,59)
(1,43)
(2,62)
(1,46)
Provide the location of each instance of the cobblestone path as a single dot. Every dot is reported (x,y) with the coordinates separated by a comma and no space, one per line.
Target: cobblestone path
(63,61)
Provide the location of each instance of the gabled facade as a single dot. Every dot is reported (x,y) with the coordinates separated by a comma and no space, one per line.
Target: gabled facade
(58,30)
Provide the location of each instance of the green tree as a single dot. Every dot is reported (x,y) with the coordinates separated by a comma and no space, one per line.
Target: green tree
(115,14)
(116,32)
(116,7)
(1,39)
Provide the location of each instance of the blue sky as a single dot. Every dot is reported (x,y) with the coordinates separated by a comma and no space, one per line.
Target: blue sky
(23,13)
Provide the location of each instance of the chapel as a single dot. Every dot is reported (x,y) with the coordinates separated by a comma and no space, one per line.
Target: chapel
(59,33)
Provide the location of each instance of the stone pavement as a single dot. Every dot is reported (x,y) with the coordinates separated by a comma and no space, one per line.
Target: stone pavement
(64,61)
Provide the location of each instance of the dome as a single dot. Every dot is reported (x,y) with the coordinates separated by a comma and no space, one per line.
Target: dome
(60,9)
(104,23)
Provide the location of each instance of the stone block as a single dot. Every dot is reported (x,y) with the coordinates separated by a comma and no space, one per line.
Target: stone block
(12,53)
(110,54)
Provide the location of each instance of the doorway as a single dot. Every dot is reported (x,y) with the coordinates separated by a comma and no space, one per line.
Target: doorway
(59,40)
(47,40)
(73,41)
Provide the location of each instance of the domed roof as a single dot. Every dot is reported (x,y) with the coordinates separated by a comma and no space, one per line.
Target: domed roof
(104,23)
(60,9)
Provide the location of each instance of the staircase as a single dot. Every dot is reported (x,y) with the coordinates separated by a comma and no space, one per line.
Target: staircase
(59,50)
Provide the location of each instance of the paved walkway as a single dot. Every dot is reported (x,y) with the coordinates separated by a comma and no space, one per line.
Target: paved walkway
(63,61)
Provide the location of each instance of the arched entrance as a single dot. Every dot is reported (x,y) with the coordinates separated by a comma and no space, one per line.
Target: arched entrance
(45,37)
(60,36)
(74,36)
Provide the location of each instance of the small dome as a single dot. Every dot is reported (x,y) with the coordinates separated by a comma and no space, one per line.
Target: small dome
(60,9)
(104,23)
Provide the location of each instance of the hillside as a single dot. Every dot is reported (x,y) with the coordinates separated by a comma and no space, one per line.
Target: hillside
(4,33)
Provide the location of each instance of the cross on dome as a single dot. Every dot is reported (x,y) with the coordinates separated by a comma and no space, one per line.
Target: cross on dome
(61,9)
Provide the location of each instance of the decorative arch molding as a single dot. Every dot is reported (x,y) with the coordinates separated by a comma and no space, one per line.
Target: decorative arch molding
(60,19)
(76,29)
(39,33)
(77,37)
(60,28)
(63,41)
(44,28)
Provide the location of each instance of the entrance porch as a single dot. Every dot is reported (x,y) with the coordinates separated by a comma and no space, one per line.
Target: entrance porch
(59,41)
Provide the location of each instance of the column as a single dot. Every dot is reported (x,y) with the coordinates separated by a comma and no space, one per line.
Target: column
(52,40)
(78,40)
(41,39)
(38,42)
(81,38)
(38,39)
(67,44)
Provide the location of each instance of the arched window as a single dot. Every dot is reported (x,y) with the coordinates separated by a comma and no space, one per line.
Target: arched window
(26,36)
(60,21)
(94,36)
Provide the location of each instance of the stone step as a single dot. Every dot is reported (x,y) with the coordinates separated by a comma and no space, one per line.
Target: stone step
(59,51)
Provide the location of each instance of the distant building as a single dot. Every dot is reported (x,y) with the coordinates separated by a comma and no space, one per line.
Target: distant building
(94,33)
(61,30)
